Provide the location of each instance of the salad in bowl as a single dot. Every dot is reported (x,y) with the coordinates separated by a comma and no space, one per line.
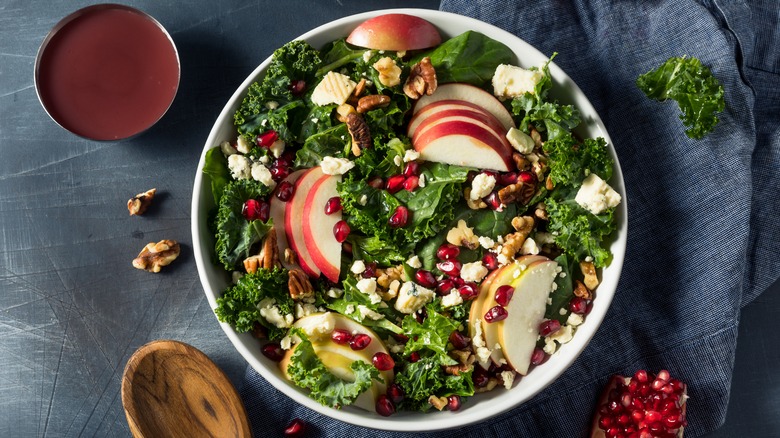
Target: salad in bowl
(397,216)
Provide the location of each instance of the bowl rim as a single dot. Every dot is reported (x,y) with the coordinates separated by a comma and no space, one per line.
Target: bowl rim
(477,412)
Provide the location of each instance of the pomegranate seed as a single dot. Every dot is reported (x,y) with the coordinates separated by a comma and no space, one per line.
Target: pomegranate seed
(414,357)
(425,278)
(578,305)
(450,267)
(468,291)
(341,231)
(491,173)
(490,260)
(420,316)
(254,210)
(382,361)
(411,183)
(295,429)
(285,191)
(504,294)
(267,138)
(333,205)
(447,251)
(641,376)
(273,351)
(507,178)
(663,375)
(340,336)
(493,202)
(395,393)
(400,217)
(359,341)
(626,400)
(480,377)
(538,356)
(297,87)
(527,177)
(453,402)
(286,160)
(376,182)
(347,247)
(412,169)
(395,183)
(459,340)
(384,406)
(495,314)
(444,286)
(549,327)
(279,173)
(370,270)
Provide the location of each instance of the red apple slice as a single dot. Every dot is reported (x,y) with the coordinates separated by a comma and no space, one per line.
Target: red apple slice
(442,105)
(293,220)
(464,144)
(277,209)
(318,235)
(395,32)
(469,93)
(486,121)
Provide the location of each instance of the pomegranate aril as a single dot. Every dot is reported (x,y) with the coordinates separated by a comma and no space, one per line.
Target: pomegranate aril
(267,138)
(493,202)
(447,251)
(382,361)
(273,351)
(507,178)
(395,183)
(295,429)
(411,183)
(504,294)
(414,357)
(341,231)
(359,341)
(425,278)
(495,314)
(480,377)
(285,191)
(370,270)
(279,173)
(538,356)
(450,267)
(490,260)
(384,406)
(549,327)
(468,291)
(453,402)
(297,87)
(578,305)
(395,393)
(459,340)
(444,286)
(333,205)
(412,169)
(256,210)
(341,336)
(527,177)
(400,217)
(376,182)
(641,376)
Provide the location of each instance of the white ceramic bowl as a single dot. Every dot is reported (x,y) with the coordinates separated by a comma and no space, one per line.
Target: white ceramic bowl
(481,406)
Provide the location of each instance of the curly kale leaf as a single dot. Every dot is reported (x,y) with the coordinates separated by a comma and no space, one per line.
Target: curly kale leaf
(579,232)
(697,92)
(571,162)
(433,335)
(307,371)
(238,304)
(425,378)
(332,142)
(350,302)
(281,119)
(235,234)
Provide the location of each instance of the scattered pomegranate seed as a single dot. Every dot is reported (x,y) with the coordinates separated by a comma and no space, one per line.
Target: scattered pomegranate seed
(295,429)
(286,160)
(341,231)
(490,260)
(495,314)
(453,402)
(400,217)
(578,305)
(480,377)
(493,202)
(376,182)
(382,361)
(359,341)
(273,351)
(504,294)
(507,178)
(395,393)
(420,316)
(549,327)
(256,210)
(447,251)
(425,278)
(459,340)
(538,356)
(347,247)
(395,183)
(297,87)
(384,406)
(284,191)
(527,177)
(414,357)
(636,409)
(444,286)
(411,183)
(370,270)
(491,173)
(468,291)
(267,138)
(340,336)
(279,173)
(333,205)
(412,169)
(450,267)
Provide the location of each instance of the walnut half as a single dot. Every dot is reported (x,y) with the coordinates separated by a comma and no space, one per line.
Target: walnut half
(421,80)
(156,255)
(138,204)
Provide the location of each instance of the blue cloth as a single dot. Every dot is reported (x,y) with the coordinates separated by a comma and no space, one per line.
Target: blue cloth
(704,234)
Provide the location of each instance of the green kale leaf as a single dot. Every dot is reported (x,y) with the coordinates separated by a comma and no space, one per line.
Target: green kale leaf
(563,292)
(238,304)
(433,334)
(332,142)
(425,378)
(352,299)
(235,234)
(571,162)
(579,232)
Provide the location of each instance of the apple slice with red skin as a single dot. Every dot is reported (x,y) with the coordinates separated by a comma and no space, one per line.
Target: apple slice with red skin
(464,143)
(469,93)
(481,119)
(395,32)
(277,210)
(293,218)
(318,236)
(444,105)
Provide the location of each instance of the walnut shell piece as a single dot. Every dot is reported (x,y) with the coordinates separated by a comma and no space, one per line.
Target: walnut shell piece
(138,204)
(156,255)
(358,130)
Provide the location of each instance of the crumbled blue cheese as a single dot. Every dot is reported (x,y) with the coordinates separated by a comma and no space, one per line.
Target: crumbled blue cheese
(272,104)
(365,312)
(474,271)
(478,345)
(482,185)
(243,145)
(414,262)
(363,200)
(304,309)
(411,297)
(334,293)
(239,166)
(368,287)
(595,195)
(512,81)
(411,155)
(508,377)
(563,335)
(421,181)
(277,148)
(271,312)
(529,247)
(227,149)
(575,319)
(336,166)
(286,343)
(358,267)
(451,299)
(521,141)
(262,174)
(334,88)
(486,242)
(549,346)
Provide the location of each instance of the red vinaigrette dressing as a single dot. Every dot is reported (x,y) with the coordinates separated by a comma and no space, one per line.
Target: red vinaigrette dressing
(108,74)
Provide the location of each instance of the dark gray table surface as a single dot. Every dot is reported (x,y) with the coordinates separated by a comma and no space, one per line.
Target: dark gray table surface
(72,308)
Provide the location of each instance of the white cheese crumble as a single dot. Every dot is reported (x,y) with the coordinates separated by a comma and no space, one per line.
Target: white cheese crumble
(529,247)
(414,262)
(272,105)
(368,287)
(481,186)
(512,81)
(277,148)
(474,271)
(595,195)
(365,312)
(363,200)
(521,141)
(411,297)
(478,343)
(336,166)
(318,326)
(563,335)
(304,309)
(242,145)
(239,166)
(286,343)
(421,181)
(227,149)
(411,155)
(334,293)
(575,319)
(486,242)
(542,238)
(451,299)
(262,174)
(358,267)
(508,377)
(271,312)
(334,88)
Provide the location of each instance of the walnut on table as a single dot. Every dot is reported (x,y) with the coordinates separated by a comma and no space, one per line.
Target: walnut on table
(156,255)
(138,204)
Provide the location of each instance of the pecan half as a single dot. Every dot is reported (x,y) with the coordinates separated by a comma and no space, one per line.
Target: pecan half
(299,285)
(517,192)
(156,255)
(581,291)
(372,101)
(358,129)
(138,204)
(421,80)
(268,258)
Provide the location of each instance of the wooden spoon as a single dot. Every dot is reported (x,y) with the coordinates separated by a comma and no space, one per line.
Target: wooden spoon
(172,389)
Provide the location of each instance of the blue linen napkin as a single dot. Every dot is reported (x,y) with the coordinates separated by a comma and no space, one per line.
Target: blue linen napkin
(704,235)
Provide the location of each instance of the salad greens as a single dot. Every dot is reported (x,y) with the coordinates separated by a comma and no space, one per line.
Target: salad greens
(697,92)
(379,258)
